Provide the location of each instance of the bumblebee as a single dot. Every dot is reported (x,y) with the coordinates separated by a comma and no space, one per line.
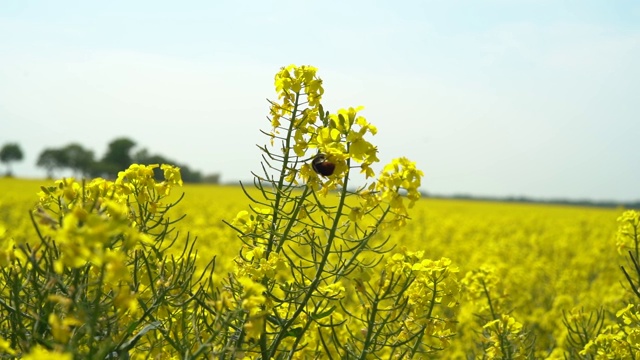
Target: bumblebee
(322,166)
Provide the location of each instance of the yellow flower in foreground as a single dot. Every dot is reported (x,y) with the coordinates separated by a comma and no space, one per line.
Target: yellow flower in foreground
(172,174)
(5,347)
(40,353)
(401,173)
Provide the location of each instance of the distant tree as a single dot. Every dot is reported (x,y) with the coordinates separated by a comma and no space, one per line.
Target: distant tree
(103,170)
(9,153)
(140,156)
(118,153)
(211,178)
(144,157)
(190,176)
(50,160)
(78,159)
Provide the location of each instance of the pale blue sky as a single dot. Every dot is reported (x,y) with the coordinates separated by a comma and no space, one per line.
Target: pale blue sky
(500,98)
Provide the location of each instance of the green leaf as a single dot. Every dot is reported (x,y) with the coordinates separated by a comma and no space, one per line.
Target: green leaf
(323,314)
(295,332)
(128,345)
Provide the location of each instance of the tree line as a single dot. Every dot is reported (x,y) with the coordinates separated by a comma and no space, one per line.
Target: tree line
(83,162)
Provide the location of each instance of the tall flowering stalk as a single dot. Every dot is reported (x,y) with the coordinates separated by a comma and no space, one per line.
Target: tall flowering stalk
(314,244)
(619,339)
(502,336)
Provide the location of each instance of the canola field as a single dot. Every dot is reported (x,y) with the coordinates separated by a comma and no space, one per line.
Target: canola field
(304,264)
(543,265)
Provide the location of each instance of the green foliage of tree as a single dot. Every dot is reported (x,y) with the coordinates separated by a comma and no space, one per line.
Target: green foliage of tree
(72,156)
(119,153)
(78,159)
(50,160)
(9,153)
(118,156)
(189,175)
(104,170)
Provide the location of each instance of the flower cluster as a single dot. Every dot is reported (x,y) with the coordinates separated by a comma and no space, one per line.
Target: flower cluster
(80,273)
(255,265)
(432,294)
(90,221)
(480,282)
(612,343)
(253,303)
(256,224)
(502,331)
(340,137)
(305,246)
(290,82)
(628,235)
(503,336)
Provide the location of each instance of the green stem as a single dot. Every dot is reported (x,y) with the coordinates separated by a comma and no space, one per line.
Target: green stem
(434,296)
(363,244)
(503,334)
(294,216)
(486,292)
(298,339)
(283,171)
(372,322)
(506,350)
(95,311)
(636,238)
(318,275)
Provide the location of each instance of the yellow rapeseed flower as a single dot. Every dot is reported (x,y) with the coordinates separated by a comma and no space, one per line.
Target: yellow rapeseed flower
(40,353)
